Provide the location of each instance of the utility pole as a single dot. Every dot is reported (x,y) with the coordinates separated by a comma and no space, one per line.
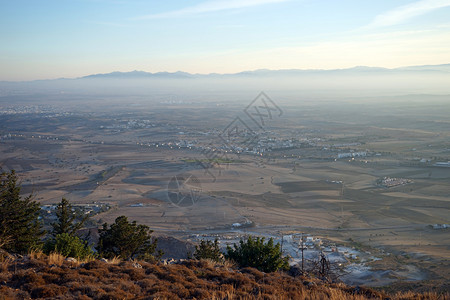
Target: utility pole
(303,258)
(342,198)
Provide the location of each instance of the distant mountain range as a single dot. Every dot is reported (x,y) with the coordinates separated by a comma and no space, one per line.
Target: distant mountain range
(261,73)
(357,81)
(444,68)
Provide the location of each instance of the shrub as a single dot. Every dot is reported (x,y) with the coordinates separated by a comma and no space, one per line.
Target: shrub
(201,293)
(27,276)
(265,257)
(48,291)
(126,240)
(256,274)
(68,245)
(208,250)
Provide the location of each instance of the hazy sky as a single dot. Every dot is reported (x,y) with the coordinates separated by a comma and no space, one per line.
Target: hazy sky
(71,38)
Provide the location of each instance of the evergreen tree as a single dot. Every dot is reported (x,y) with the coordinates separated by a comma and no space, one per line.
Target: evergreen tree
(68,245)
(19,217)
(266,257)
(66,222)
(126,240)
(208,250)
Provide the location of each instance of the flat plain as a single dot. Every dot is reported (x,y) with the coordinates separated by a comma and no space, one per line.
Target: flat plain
(317,169)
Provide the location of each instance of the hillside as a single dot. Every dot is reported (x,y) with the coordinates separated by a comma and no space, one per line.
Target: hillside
(38,276)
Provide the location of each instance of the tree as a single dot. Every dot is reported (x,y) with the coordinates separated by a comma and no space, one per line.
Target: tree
(208,250)
(68,245)
(126,240)
(20,228)
(266,257)
(66,222)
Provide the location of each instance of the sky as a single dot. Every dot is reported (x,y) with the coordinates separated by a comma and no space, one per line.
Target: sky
(71,38)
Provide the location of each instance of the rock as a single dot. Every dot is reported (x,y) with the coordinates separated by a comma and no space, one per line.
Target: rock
(309,283)
(136,265)
(170,261)
(174,248)
(295,271)
(104,260)
(71,259)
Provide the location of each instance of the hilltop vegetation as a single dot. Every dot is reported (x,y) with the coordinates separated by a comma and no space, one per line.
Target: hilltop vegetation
(40,276)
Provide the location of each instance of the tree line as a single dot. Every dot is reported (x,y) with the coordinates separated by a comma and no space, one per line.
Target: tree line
(21,231)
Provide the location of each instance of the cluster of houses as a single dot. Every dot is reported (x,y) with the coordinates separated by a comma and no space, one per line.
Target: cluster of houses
(25,109)
(48,211)
(130,124)
(441,226)
(391,182)
(352,154)
(12,136)
(442,164)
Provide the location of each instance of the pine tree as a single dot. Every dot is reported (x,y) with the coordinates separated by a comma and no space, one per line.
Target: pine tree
(126,240)
(66,222)
(208,250)
(266,257)
(20,229)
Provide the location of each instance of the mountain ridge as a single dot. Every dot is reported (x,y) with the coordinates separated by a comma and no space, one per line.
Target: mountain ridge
(139,74)
(180,74)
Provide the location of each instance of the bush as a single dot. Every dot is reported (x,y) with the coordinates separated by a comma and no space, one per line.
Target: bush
(265,257)
(208,250)
(127,240)
(68,245)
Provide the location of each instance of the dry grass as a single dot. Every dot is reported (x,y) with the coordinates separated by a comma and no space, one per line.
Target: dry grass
(5,263)
(225,263)
(55,259)
(115,260)
(58,259)
(41,276)
(36,254)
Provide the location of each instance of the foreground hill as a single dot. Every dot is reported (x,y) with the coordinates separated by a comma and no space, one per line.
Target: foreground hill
(40,276)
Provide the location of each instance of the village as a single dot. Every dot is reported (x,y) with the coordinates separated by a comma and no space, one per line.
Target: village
(306,250)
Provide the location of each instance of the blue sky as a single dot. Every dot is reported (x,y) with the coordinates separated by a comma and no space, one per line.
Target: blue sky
(71,38)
